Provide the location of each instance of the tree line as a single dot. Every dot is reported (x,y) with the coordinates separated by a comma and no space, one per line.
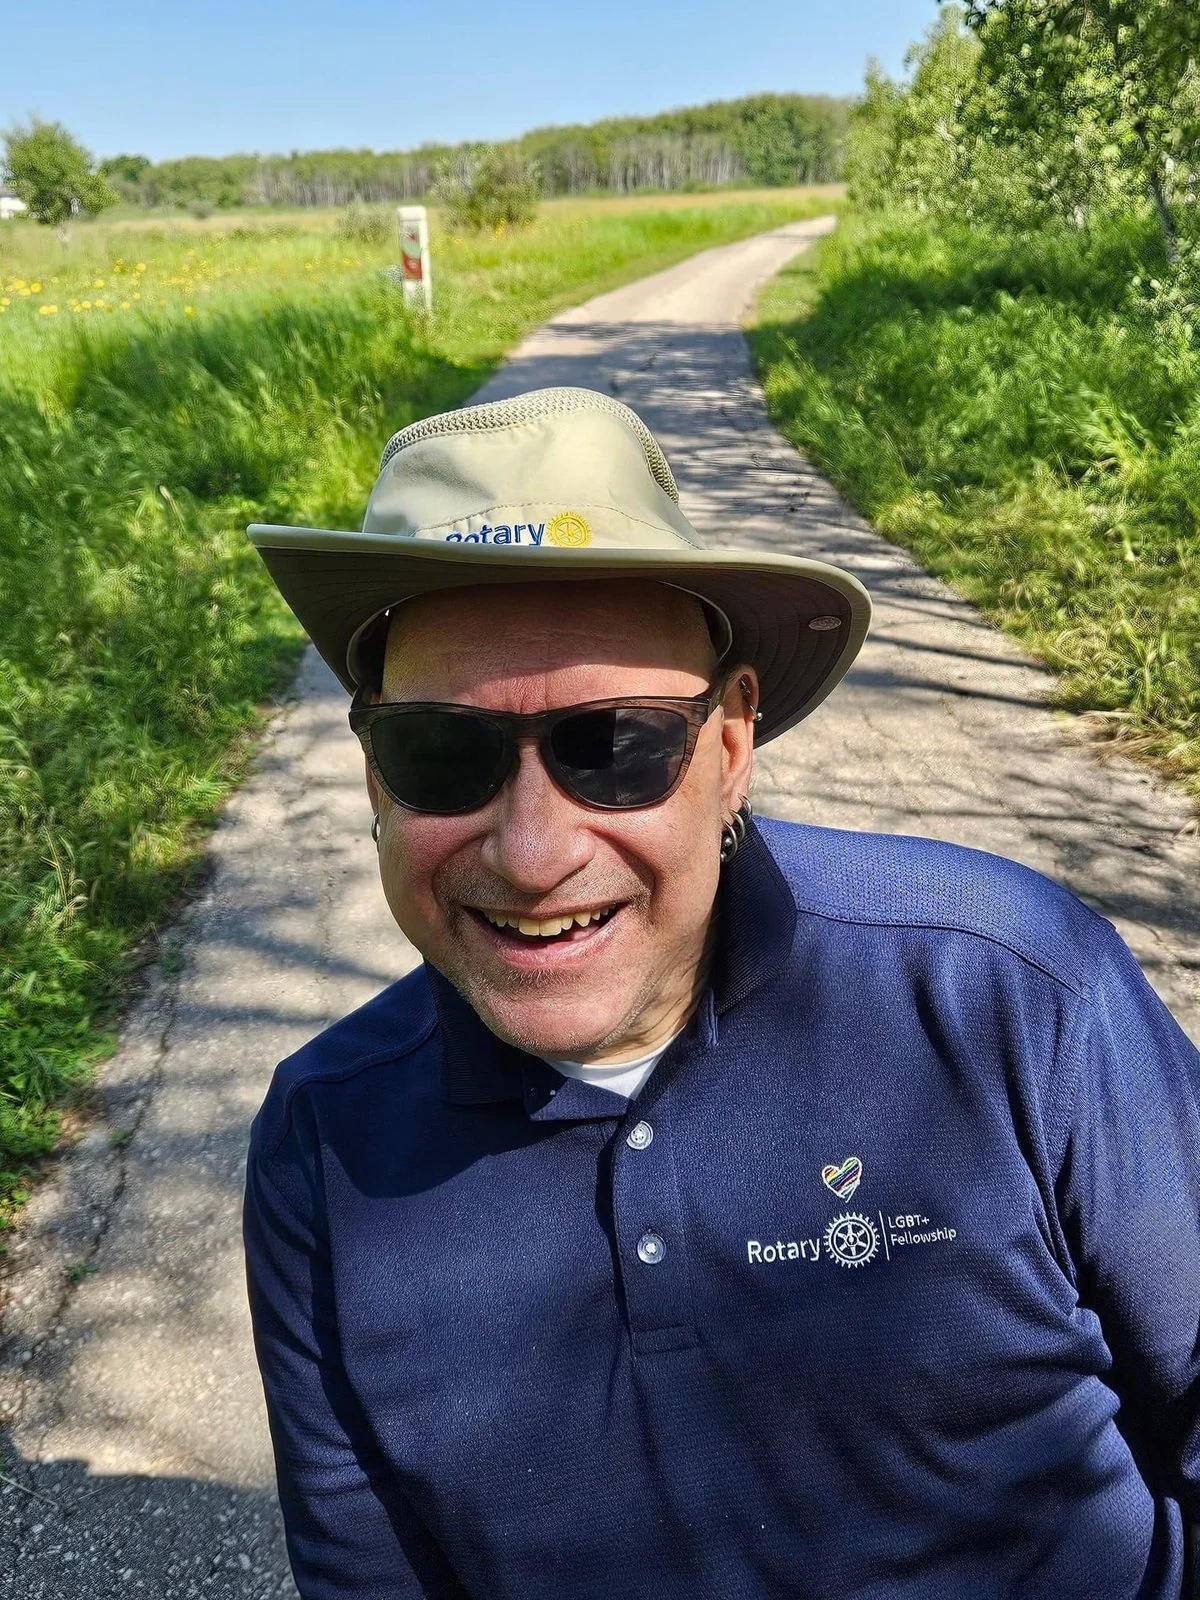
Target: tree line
(766,139)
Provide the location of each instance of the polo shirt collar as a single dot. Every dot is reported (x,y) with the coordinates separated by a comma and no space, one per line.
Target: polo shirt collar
(756,923)
(755,928)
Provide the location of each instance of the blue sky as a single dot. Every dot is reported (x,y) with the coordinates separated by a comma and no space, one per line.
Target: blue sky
(165,79)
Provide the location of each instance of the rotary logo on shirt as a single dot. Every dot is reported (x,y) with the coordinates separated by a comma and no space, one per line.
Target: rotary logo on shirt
(852,1239)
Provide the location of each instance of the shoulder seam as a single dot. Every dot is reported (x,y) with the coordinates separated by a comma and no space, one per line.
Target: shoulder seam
(352,1069)
(1076,987)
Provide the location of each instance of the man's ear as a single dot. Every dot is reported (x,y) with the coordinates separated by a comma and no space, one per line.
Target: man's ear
(740,707)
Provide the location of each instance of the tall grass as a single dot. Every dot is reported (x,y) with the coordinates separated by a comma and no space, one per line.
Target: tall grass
(1025,417)
(186,383)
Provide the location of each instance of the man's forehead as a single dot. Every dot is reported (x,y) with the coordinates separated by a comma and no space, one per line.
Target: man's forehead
(624,621)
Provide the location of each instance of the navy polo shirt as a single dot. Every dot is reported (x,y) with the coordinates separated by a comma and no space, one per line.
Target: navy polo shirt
(887,1285)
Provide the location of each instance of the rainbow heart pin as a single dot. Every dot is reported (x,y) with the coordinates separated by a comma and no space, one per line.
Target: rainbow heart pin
(844,1179)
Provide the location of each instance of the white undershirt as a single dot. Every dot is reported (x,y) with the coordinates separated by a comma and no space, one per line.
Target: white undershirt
(620,1077)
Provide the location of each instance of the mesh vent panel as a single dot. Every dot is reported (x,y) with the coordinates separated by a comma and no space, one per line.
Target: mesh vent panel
(526,408)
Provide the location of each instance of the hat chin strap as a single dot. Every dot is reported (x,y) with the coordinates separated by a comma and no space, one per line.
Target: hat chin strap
(722,633)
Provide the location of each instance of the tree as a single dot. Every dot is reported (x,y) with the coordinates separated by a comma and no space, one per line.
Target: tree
(125,173)
(53,173)
(907,143)
(1109,81)
(128,169)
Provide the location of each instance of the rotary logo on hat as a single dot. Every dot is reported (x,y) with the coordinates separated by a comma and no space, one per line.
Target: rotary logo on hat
(569,529)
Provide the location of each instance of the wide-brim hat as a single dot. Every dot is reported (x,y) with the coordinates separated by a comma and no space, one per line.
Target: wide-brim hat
(551,486)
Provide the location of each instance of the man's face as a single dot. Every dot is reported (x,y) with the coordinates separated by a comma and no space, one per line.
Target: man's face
(627,980)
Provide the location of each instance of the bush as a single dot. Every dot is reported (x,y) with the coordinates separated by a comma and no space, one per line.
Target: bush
(358,225)
(490,188)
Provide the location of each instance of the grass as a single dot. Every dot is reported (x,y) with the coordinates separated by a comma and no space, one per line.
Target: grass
(1022,416)
(188,381)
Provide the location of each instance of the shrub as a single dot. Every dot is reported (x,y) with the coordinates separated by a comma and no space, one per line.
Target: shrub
(358,225)
(490,188)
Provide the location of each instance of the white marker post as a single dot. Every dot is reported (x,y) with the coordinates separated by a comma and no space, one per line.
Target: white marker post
(416,275)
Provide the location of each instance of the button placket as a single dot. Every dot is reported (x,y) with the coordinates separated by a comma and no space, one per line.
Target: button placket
(651,1243)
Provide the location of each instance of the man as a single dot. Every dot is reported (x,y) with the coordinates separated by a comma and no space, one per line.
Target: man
(722,1210)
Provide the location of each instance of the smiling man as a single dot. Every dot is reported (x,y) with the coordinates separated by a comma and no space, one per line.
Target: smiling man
(722,1210)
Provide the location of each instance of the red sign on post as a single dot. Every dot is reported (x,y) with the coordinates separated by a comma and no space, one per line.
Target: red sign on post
(414,255)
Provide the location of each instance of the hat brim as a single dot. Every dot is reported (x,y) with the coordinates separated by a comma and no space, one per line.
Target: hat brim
(338,583)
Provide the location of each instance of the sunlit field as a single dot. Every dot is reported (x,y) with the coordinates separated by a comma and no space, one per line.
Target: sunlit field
(149,269)
(161,385)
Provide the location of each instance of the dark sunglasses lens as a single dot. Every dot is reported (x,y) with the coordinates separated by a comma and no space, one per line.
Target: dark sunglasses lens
(627,756)
(438,760)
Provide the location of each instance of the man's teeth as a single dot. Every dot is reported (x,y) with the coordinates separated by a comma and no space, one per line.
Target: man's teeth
(548,927)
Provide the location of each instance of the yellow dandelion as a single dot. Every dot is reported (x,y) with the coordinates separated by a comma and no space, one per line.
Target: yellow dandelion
(47,311)
(98,283)
(85,305)
(35,288)
(124,305)
(189,311)
(141,267)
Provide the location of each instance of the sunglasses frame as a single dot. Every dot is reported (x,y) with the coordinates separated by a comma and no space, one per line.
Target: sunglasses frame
(517,728)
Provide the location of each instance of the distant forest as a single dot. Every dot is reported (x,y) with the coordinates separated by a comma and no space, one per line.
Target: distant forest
(764,139)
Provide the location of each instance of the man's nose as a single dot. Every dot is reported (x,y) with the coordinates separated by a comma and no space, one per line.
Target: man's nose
(538,836)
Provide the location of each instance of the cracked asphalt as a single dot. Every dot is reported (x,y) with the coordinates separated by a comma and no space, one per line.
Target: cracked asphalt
(133,1450)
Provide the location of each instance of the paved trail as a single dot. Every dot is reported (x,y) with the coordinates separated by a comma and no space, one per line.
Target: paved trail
(137,1418)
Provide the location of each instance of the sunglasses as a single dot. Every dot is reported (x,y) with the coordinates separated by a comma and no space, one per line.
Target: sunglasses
(611,755)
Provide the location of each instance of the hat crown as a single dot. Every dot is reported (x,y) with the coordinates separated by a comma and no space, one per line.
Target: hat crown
(526,407)
(558,467)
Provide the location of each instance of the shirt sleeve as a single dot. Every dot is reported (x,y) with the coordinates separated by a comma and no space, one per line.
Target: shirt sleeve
(351,1534)
(1129,1201)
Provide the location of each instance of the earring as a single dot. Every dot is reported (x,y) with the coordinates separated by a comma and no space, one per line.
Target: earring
(734,831)
(375,829)
(749,701)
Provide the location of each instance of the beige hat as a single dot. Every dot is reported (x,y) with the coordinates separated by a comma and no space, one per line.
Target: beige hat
(559,484)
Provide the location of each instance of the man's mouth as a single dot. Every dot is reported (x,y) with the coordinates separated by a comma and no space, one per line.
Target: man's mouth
(569,928)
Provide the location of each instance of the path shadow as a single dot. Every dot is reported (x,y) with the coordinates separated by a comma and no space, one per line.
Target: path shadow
(67,1534)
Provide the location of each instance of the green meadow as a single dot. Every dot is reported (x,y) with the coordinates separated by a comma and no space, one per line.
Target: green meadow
(161,386)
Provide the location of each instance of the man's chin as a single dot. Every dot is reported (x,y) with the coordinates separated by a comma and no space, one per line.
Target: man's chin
(559,1031)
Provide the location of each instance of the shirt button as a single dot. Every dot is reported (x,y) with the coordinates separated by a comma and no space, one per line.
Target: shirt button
(651,1249)
(639,1137)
